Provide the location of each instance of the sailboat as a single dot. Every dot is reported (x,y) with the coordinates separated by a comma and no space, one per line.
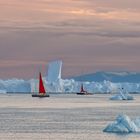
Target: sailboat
(83,92)
(42,92)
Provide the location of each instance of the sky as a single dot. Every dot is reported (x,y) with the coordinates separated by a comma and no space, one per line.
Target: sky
(87,35)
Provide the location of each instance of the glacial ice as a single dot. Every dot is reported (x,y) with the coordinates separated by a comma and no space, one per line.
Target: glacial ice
(14,85)
(54,71)
(123,124)
(54,83)
(65,85)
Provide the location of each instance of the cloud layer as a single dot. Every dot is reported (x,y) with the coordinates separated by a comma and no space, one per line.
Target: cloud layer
(87,35)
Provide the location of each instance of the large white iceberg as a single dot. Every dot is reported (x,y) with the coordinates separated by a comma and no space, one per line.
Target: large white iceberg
(122,95)
(123,124)
(54,71)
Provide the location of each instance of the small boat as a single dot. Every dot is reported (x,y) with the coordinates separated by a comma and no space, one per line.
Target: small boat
(83,92)
(42,92)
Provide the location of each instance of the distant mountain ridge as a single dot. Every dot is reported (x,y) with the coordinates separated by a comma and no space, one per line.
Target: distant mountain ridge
(131,77)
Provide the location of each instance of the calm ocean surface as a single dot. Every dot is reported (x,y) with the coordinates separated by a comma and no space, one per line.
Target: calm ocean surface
(63,117)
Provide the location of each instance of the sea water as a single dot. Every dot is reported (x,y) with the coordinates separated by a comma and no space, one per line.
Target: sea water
(63,117)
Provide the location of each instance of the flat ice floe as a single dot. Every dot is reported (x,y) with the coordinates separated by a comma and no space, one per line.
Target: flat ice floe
(123,124)
(122,95)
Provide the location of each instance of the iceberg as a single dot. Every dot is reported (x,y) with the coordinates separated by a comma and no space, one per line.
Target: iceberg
(122,95)
(14,85)
(123,124)
(53,82)
(54,71)
(70,85)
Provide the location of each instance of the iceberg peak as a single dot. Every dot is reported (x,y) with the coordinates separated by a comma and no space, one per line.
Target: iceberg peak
(123,124)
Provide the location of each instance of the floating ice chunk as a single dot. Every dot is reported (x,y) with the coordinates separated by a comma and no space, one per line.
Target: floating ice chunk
(119,97)
(123,124)
(122,95)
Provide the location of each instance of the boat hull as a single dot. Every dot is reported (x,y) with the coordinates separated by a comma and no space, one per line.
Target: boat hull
(40,96)
(83,93)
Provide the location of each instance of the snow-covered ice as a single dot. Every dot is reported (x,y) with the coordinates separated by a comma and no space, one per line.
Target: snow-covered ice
(123,124)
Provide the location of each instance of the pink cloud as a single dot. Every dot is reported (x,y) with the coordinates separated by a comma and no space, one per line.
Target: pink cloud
(87,36)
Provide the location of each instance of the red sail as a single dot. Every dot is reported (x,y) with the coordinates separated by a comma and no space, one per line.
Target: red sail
(41,86)
(82,88)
